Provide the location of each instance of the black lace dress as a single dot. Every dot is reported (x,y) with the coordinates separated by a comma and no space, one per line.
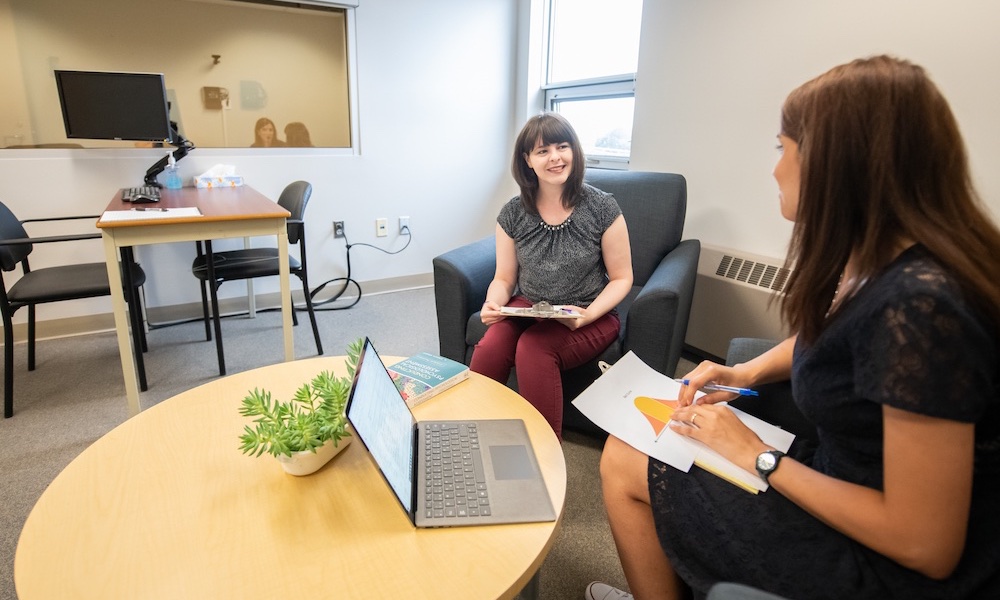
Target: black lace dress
(905,340)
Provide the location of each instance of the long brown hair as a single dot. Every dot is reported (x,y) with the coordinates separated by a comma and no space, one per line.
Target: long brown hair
(261,124)
(548,128)
(882,162)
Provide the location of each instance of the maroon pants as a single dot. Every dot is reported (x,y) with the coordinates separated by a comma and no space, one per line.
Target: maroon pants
(540,349)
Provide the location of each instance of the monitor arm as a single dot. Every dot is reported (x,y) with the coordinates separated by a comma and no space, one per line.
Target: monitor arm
(183,147)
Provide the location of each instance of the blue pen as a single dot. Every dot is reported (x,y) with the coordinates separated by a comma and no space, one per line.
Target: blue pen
(712,387)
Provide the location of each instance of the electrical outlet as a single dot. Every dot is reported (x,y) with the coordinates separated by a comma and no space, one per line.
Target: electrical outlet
(404,225)
(338,229)
(381,227)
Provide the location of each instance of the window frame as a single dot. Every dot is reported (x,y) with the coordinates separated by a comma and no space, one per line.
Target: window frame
(597,88)
(604,88)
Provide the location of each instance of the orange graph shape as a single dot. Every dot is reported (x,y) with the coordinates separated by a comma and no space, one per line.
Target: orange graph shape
(656,411)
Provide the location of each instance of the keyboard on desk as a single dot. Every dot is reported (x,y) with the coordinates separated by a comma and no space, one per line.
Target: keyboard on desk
(146,191)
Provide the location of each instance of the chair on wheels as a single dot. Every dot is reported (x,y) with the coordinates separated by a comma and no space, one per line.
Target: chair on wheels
(250,263)
(55,284)
(654,315)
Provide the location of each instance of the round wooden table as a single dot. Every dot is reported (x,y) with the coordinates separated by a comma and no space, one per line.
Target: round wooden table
(166,506)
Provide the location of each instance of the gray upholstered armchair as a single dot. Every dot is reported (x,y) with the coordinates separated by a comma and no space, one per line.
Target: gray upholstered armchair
(655,313)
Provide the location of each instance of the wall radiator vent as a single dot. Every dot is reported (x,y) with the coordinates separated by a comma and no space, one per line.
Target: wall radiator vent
(750,271)
(733,298)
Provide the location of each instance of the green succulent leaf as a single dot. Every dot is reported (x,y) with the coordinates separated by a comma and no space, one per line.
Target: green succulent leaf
(313,416)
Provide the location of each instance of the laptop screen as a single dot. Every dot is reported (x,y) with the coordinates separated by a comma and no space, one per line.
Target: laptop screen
(384,423)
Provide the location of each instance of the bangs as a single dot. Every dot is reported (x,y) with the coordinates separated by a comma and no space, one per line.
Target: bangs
(547,131)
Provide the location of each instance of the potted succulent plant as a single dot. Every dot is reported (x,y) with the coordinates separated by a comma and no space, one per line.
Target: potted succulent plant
(303,433)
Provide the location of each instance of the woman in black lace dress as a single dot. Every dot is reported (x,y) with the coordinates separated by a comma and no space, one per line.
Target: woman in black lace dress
(895,301)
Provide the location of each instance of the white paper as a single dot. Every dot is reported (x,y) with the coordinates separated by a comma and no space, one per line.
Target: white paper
(610,403)
(147,214)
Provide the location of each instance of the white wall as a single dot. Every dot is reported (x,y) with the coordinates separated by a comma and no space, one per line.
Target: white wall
(713,74)
(13,103)
(439,104)
(435,89)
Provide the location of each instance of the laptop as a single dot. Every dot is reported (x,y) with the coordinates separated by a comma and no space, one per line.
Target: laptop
(492,479)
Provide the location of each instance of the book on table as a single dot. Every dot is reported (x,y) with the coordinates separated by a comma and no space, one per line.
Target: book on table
(424,375)
(634,402)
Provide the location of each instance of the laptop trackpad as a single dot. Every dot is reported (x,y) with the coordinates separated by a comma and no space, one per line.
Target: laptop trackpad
(511,462)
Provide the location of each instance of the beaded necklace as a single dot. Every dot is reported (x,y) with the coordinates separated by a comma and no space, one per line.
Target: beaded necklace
(562,225)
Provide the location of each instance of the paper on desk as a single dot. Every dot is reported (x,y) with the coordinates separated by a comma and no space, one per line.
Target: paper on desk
(610,402)
(149,214)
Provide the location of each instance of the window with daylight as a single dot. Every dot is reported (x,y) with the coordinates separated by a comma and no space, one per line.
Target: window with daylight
(592,54)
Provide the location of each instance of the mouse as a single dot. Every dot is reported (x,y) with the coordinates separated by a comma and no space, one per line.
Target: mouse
(143,199)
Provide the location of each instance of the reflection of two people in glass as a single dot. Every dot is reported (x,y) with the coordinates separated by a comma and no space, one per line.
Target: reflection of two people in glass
(266,135)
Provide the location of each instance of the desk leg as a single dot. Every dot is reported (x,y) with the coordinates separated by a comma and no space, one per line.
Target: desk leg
(121,323)
(251,299)
(286,292)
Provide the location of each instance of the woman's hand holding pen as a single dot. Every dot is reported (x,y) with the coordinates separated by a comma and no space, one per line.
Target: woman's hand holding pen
(706,374)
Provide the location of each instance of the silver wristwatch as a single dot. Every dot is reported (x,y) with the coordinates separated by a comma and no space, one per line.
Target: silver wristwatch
(767,462)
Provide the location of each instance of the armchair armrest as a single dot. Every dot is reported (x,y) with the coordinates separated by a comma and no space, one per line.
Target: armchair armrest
(743,349)
(657,320)
(461,277)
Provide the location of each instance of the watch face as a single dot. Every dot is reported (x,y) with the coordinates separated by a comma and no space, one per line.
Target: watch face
(766,461)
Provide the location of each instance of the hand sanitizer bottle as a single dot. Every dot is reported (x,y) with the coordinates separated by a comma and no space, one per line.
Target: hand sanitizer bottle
(173,177)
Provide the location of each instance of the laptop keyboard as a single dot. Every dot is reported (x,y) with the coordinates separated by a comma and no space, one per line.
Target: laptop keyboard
(456,482)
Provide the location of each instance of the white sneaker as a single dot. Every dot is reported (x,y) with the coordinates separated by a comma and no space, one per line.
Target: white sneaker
(603,591)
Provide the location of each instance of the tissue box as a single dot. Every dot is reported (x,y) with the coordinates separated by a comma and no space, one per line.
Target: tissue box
(206,181)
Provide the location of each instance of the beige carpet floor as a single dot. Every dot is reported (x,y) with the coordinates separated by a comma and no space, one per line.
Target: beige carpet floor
(76,395)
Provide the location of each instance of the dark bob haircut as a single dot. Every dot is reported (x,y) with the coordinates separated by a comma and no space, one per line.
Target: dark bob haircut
(546,128)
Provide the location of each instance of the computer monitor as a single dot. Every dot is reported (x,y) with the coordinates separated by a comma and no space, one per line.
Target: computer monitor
(104,105)
(114,106)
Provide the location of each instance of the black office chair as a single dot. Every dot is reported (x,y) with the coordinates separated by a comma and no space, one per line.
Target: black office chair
(55,284)
(258,262)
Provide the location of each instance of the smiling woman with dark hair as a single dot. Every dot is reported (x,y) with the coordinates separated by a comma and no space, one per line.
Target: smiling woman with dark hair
(895,304)
(562,242)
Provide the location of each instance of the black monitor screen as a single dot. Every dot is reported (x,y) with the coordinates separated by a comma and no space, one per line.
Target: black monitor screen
(114,106)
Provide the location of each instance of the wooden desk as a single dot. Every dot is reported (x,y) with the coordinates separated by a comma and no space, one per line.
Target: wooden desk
(226,213)
(166,506)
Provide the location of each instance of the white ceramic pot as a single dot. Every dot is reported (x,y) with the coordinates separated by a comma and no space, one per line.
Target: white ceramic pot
(304,463)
